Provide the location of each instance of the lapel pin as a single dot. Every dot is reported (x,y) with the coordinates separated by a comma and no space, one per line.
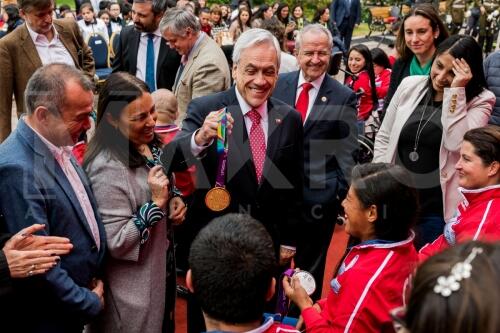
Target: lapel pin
(323,99)
(278,121)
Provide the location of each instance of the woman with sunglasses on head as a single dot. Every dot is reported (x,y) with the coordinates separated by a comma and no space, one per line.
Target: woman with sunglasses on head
(478,171)
(424,126)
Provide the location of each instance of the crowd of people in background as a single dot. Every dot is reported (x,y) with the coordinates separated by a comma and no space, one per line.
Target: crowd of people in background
(225,147)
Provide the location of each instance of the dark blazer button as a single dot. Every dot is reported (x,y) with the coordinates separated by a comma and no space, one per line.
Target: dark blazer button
(93,248)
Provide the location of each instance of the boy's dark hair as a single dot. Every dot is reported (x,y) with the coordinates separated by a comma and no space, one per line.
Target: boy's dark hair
(232,263)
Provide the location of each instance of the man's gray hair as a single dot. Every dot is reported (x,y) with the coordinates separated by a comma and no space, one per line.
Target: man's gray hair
(47,86)
(253,37)
(314,29)
(159,6)
(177,20)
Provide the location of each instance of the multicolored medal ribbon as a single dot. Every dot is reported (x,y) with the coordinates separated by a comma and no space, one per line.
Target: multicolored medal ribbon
(306,281)
(218,198)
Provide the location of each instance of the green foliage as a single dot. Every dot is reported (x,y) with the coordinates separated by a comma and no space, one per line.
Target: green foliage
(70,3)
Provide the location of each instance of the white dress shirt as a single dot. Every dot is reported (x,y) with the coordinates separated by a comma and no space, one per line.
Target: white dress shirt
(99,27)
(53,51)
(313,92)
(142,53)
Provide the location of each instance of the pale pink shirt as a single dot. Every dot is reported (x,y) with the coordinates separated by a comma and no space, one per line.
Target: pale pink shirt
(53,51)
(63,157)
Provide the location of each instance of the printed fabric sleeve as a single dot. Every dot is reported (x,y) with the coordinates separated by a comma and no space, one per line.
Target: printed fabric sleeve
(146,217)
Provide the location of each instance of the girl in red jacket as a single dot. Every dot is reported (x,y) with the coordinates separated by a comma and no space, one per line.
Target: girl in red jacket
(380,209)
(382,69)
(363,81)
(478,216)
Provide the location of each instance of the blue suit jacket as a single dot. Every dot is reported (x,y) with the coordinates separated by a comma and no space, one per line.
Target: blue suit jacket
(34,189)
(330,139)
(339,9)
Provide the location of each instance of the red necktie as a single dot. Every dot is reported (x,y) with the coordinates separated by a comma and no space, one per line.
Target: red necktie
(257,143)
(303,100)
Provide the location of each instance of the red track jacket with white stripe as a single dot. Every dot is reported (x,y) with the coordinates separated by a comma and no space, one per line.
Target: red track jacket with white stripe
(369,284)
(478,219)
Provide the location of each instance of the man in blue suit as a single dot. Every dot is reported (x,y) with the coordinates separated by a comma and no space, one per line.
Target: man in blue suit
(40,182)
(345,14)
(328,110)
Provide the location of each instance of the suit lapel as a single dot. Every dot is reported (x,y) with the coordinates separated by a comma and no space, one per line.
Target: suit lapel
(134,40)
(54,169)
(291,88)
(195,54)
(161,59)
(29,47)
(275,118)
(66,38)
(322,101)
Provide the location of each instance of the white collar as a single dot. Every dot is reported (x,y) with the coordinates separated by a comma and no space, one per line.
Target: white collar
(56,151)
(245,108)
(316,83)
(34,35)
(156,33)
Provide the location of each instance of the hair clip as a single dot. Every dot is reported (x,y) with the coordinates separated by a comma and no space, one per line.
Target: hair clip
(446,285)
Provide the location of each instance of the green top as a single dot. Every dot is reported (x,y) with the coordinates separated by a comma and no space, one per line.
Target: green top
(415,68)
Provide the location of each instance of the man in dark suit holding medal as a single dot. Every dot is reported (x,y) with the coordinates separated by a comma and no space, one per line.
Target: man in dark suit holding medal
(328,110)
(264,159)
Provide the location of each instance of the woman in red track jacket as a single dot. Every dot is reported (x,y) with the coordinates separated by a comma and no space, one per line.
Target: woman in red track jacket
(478,216)
(380,210)
(362,82)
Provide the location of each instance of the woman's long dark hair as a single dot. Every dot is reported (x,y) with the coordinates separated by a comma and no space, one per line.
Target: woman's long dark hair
(259,14)
(248,24)
(317,15)
(15,19)
(119,90)
(429,12)
(466,47)
(365,52)
(379,57)
(298,5)
(278,13)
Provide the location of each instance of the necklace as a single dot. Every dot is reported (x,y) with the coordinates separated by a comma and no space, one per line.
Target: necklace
(414,156)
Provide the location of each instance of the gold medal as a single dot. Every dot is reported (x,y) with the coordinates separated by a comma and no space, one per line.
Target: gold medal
(217,199)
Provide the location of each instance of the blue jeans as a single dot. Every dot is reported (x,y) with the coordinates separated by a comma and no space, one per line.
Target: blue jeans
(428,228)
